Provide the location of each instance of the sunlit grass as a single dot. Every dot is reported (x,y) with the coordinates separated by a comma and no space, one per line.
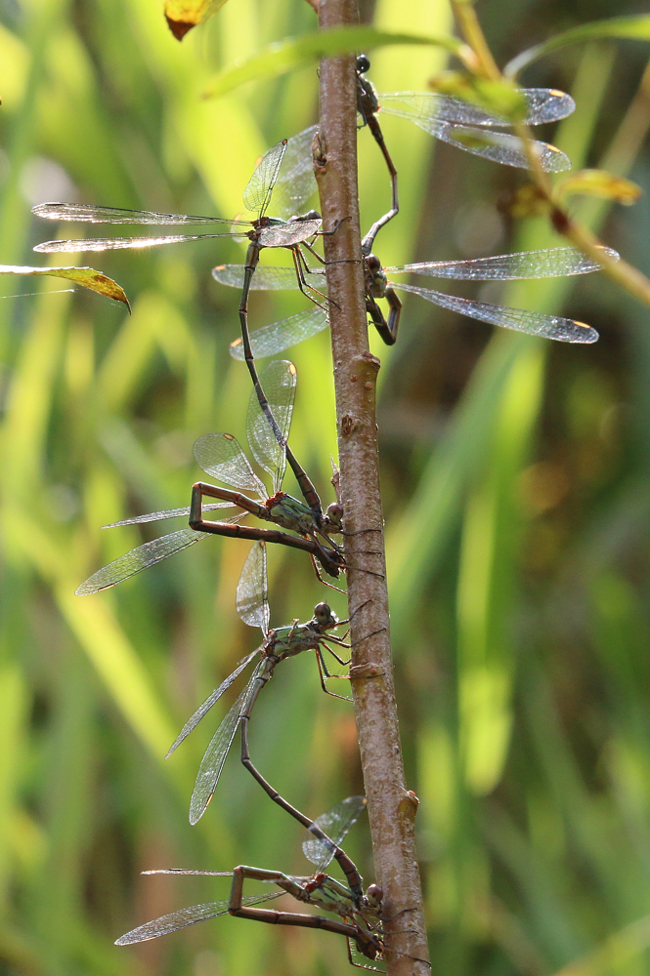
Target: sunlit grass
(515,477)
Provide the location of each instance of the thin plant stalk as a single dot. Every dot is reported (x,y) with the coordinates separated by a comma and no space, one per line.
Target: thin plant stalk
(628,278)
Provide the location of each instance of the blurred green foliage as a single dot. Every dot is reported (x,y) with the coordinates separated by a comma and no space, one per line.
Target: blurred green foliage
(516,478)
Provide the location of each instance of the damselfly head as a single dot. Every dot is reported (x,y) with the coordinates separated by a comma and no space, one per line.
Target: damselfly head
(324,617)
(363,64)
(374,894)
(334,515)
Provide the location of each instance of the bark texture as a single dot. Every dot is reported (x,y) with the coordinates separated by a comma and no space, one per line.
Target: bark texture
(391,807)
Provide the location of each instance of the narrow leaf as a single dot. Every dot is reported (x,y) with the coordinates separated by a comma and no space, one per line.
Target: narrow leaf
(600,183)
(283,56)
(633,28)
(183,15)
(87,277)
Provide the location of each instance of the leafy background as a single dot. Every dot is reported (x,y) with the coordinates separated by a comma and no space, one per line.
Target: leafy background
(516,477)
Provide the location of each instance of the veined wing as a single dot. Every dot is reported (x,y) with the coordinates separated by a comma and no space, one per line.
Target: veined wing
(545,263)
(296,182)
(216,753)
(266,278)
(543,105)
(119,243)
(187,916)
(279,384)
(203,709)
(335,823)
(518,319)
(138,559)
(275,338)
(499,147)
(257,195)
(194,871)
(174,513)
(84,213)
(220,456)
(291,232)
(253,590)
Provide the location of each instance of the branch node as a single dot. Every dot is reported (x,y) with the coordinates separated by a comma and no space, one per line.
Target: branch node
(371,360)
(365,671)
(348,423)
(408,804)
(560,220)
(318,152)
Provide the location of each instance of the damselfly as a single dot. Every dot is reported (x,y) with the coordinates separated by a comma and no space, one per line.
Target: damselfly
(221,457)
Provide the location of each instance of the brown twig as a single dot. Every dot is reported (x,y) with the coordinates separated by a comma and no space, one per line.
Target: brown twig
(628,278)
(390,806)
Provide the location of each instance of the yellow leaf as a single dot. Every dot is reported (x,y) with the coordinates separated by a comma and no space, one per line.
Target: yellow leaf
(183,15)
(599,183)
(87,277)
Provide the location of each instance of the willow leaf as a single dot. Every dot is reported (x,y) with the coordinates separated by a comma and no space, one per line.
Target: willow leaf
(87,277)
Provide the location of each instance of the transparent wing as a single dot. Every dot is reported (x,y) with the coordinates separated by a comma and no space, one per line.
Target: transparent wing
(336,824)
(259,188)
(138,559)
(293,232)
(496,146)
(221,456)
(547,105)
(216,753)
(253,590)
(544,105)
(83,213)
(266,278)
(210,701)
(187,916)
(548,263)
(502,148)
(275,338)
(118,243)
(518,319)
(296,183)
(174,513)
(279,384)
(209,874)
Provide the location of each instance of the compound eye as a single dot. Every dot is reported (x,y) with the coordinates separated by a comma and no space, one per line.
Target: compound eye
(363,64)
(374,894)
(335,512)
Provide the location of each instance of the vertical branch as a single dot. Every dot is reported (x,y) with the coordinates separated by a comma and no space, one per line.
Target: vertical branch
(391,807)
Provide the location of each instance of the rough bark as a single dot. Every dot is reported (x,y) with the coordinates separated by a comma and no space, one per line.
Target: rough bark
(391,807)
